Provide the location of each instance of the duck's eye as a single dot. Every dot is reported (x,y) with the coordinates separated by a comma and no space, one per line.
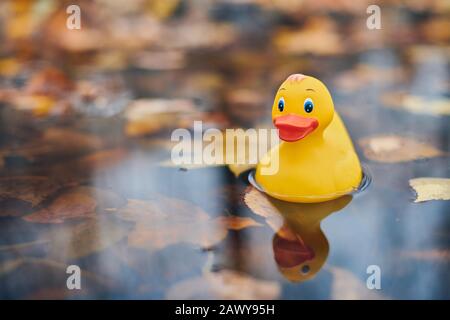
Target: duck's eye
(308,105)
(281,104)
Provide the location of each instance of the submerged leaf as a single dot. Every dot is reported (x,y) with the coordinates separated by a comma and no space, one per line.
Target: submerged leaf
(431,188)
(392,148)
(260,205)
(32,189)
(163,221)
(225,284)
(75,203)
(80,240)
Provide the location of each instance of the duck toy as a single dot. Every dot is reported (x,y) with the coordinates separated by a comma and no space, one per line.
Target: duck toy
(316,160)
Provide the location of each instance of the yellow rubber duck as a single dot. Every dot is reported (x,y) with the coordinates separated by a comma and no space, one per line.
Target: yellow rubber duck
(316,159)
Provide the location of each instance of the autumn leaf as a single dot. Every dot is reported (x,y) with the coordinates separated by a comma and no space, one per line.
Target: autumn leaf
(56,142)
(393,148)
(225,284)
(319,37)
(147,116)
(91,236)
(76,203)
(261,205)
(238,223)
(162,221)
(431,188)
(32,189)
(438,106)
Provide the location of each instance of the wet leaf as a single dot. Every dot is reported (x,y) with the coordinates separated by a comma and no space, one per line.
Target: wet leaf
(260,205)
(392,148)
(225,284)
(431,188)
(318,37)
(80,240)
(76,203)
(56,142)
(436,106)
(32,189)
(147,116)
(162,221)
(238,223)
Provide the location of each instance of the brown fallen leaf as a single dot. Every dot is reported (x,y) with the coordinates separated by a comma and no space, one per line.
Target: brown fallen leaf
(261,205)
(225,284)
(56,142)
(431,188)
(439,106)
(76,203)
(164,60)
(32,189)
(238,223)
(163,221)
(91,236)
(393,148)
(147,116)
(319,36)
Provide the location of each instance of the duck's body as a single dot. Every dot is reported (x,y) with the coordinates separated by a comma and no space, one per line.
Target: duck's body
(319,166)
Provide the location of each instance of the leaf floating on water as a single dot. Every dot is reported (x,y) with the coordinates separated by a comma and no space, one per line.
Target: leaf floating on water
(225,284)
(80,240)
(346,286)
(318,37)
(431,188)
(32,189)
(75,203)
(147,116)
(261,205)
(392,149)
(163,221)
(238,223)
(435,107)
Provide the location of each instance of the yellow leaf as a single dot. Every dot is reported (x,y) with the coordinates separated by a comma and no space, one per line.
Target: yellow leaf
(392,148)
(436,107)
(262,206)
(431,188)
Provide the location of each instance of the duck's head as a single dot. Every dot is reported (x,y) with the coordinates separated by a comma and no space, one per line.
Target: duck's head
(302,107)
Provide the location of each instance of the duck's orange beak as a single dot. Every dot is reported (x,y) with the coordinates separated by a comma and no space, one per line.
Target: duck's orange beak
(293,127)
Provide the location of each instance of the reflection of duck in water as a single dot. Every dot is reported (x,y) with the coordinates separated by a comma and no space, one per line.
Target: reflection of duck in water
(300,247)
